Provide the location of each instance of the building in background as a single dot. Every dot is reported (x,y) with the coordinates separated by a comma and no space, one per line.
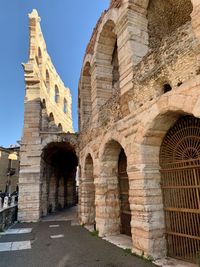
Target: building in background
(139,129)
(9,168)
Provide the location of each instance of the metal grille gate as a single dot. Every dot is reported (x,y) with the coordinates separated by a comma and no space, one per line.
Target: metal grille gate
(180,176)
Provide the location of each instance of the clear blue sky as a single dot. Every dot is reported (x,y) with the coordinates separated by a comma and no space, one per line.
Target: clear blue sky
(67,26)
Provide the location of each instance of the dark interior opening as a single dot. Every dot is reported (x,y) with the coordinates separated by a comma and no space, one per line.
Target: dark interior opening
(59,176)
(166,88)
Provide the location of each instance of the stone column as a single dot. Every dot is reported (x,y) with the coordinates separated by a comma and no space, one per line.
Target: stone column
(146,203)
(132,32)
(29,178)
(107,206)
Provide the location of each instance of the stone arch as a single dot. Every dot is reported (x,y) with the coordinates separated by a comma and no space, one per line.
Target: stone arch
(68,138)
(60,128)
(47,81)
(88,192)
(113,136)
(146,171)
(56,94)
(107,190)
(58,175)
(85,105)
(162,22)
(51,117)
(39,56)
(106,59)
(65,105)
(45,118)
(51,123)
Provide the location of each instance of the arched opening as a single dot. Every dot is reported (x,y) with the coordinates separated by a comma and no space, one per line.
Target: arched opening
(107,76)
(180,182)
(165,17)
(51,123)
(60,128)
(56,94)
(113,189)
(45,118)
(59,164)
(85,94)
(88,189)
(151,170)
(65,106)
(125,212)
(39,56)
(47,81)
(166,88)
(115,65)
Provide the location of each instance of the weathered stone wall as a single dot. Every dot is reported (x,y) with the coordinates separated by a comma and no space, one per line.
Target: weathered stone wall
(47,113)
(166,16)
(137,115)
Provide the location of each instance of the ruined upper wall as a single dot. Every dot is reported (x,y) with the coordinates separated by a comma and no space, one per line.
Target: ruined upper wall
(166,16)
(143,42)
(41,71)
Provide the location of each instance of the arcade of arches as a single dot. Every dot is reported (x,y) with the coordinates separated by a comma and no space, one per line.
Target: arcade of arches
(139,128)
(110,198)
(138,145)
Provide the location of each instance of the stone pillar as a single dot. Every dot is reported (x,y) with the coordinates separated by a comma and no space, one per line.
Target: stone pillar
(87,202)
(132,32)
(145,197)
(29,178)
(107,206)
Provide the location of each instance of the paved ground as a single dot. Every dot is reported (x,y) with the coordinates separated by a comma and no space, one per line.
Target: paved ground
(60,244)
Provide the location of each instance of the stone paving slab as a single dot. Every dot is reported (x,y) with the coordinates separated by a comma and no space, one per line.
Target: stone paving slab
(17,231)
(13,246)
(54,226)
(56,236)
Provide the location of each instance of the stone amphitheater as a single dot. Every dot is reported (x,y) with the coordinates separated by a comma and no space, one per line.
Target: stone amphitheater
(138,146)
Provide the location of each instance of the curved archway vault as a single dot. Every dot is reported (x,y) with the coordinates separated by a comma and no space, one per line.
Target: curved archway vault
(58,169)
(113,213)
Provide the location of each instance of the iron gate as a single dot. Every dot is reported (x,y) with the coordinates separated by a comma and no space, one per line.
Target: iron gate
(180,182)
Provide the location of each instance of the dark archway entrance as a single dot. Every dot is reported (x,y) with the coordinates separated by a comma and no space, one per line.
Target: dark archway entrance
(113,209)
(125,212)
(180,181)
(59,164)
